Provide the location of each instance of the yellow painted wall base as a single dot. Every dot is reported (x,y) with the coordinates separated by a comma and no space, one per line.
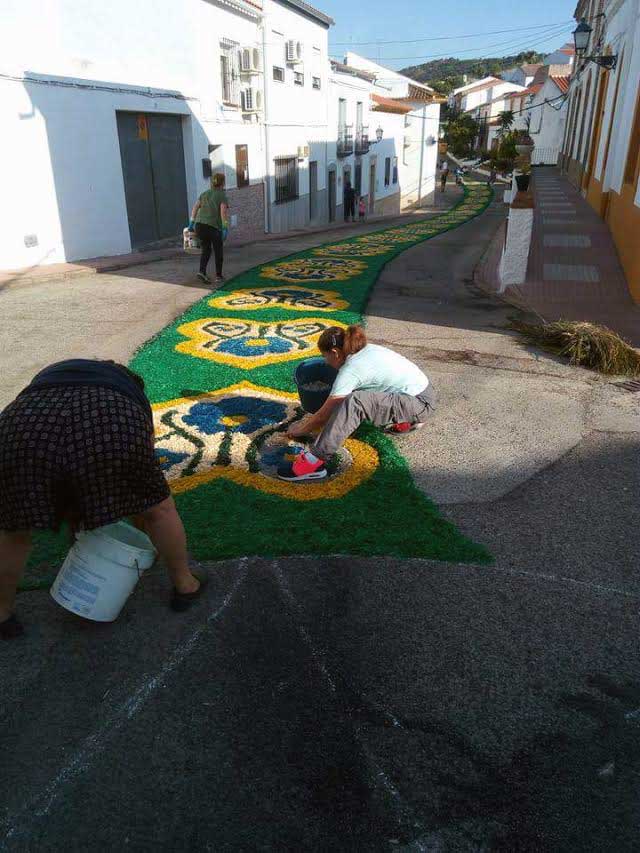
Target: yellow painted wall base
(623,218)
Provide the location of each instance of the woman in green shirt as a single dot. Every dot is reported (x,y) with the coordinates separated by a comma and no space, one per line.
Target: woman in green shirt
(210,216)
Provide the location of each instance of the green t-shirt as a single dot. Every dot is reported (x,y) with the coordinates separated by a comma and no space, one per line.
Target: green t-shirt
(209,212)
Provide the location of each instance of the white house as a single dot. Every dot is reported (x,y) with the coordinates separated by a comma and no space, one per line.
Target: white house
(601,145)
(564,55)
(408,114)
(296,114)
(547,119)
(522,75)
(349,147)
(112,116)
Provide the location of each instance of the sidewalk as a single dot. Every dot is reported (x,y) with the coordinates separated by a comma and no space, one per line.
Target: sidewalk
(166,252)
(574,272)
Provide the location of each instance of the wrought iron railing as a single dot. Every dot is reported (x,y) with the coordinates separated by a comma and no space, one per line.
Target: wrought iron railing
(345,141)
(362,140)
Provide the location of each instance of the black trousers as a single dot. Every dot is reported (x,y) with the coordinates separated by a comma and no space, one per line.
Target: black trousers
(349,208)
(210,239)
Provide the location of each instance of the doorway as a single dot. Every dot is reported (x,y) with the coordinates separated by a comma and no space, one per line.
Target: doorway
(155,186)
(372,187)
(313,190)
(331,183)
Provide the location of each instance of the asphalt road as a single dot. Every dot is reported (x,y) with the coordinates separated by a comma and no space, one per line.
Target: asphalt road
(353,704)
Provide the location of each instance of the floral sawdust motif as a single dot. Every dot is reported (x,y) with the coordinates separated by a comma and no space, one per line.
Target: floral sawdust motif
(247,344)
(314,269)
(293,297)
(237,433)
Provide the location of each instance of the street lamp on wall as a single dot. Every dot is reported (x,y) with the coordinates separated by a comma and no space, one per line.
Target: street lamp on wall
(581,36)
(379,134)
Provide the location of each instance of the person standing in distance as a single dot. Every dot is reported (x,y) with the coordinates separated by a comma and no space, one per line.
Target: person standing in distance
(209,219)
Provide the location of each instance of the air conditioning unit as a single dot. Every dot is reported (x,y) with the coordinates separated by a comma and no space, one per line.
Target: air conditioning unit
(303,152)
(294,52)
(251,100)
(250,60)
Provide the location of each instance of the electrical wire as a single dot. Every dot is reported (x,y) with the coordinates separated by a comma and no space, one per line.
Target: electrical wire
(553,32)
(448,38)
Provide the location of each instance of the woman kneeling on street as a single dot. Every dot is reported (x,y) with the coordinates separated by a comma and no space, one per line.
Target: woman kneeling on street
(77,446)
(373,384)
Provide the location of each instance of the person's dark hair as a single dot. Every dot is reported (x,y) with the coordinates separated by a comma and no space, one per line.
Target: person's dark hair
(131,373)
(218,180)
(348,341)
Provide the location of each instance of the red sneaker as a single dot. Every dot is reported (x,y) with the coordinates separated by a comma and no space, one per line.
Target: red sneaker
(302,469)
(403,427)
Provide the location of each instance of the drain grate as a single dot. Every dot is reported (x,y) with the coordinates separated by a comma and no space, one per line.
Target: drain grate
(633,386)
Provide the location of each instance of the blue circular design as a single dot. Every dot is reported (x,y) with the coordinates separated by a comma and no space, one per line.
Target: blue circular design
(239,347)
(207,416)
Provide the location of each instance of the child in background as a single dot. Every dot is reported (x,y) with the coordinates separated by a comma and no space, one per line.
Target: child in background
(361,209)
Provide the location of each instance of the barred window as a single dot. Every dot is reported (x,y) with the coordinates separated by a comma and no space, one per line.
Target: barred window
(395,170)
(316,82)
(387,171)
(286,174)
(230,72)
(298,78)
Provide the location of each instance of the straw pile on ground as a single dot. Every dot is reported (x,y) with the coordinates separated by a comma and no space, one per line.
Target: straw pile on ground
(584,344)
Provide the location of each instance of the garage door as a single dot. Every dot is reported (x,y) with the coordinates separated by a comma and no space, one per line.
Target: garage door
(155,186)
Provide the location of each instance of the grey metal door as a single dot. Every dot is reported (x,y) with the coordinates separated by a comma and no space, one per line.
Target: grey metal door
(155,187)
(332,195)
(313,190)
(167,168)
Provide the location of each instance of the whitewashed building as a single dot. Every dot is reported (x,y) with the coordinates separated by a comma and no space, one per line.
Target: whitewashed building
(114,117)
(403,165)
(296,114)
(547,118)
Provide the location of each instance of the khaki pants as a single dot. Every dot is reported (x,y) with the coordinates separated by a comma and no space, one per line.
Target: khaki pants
(379,407)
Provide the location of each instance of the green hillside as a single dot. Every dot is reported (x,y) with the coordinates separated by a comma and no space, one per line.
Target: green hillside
(444,75)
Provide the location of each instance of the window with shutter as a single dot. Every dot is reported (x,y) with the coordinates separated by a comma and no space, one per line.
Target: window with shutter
(242,166)
(286,176)
(387,171)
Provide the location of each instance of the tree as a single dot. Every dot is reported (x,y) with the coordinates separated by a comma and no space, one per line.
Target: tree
(460,133)
(505,122)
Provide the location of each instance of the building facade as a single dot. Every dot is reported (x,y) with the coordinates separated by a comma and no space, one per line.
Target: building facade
(115,118)
(601,143)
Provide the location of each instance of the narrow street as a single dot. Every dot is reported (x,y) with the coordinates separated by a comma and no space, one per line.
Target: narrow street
(352,703)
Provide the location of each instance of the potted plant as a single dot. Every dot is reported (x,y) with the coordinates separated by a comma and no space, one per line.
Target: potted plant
(523,142)
(522,180)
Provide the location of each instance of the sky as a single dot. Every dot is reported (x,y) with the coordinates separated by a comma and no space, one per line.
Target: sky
(472,23)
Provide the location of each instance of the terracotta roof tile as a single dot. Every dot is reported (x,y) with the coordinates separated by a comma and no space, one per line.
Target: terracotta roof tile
(389,105)
(562,83)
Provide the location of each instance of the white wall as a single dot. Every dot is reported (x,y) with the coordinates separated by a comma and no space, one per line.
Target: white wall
(296,114)
(353,90)
(547,124)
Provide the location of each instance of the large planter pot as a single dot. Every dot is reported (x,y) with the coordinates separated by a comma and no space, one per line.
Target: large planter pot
(522,182)
(524,148)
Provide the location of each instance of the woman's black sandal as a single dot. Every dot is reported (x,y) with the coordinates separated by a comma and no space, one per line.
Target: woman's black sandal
(181,601)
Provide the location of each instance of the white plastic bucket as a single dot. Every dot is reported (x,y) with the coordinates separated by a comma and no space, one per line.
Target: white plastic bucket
(101,571)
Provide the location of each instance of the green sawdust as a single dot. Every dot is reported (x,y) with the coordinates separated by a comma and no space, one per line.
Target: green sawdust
(386,514)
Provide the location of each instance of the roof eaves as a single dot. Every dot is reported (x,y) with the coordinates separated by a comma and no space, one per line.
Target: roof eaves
(309,10)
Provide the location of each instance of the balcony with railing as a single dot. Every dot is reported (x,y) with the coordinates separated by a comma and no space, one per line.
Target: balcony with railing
(345,140)
(362,140)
